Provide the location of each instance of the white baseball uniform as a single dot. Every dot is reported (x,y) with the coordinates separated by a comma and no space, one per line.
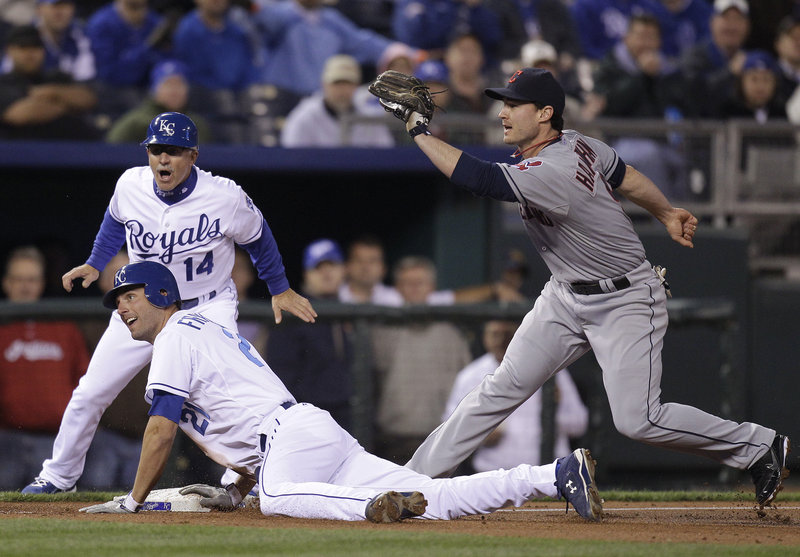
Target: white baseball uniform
(193,231)
(584,236)
(243,417)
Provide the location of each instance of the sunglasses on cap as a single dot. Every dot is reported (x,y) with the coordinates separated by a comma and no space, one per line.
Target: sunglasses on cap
(171,150)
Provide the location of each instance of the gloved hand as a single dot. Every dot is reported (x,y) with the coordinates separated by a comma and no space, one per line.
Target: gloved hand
(221,499)
(117,506)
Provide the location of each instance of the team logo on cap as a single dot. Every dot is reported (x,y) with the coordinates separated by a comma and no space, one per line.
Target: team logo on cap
(513,78)
(119,278)
(167,127)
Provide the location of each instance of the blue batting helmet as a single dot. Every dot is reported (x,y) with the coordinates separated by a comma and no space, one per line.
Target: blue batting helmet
(171,128)
(160,287)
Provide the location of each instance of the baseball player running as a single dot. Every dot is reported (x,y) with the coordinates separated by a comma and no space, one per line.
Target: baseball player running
(603,294)
(208,380)
(189,220)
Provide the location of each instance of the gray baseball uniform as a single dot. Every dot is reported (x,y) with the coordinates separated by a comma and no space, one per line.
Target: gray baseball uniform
(584,236)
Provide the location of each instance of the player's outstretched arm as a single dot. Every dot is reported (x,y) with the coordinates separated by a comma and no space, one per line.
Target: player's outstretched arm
(294,303)
(680,223)
(443,155)
(86,272)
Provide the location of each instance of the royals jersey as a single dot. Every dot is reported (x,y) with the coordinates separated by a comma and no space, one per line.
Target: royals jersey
(191,236)
(570,213)
(228,389)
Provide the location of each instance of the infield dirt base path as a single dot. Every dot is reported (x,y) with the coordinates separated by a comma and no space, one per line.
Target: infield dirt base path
(656,522)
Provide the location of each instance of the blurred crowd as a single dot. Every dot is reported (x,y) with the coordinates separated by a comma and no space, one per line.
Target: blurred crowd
(289,72)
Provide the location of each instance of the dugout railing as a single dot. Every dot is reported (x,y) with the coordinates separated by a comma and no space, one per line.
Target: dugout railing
(718,315)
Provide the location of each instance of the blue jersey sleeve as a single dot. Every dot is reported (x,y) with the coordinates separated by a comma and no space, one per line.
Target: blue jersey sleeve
(618,174)
(482,178)
(267,261)
(167,405)
(110,238)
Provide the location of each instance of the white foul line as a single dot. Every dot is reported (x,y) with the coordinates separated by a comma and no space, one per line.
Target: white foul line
(606,509)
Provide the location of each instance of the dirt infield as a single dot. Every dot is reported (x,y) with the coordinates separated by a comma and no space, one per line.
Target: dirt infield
(690,522)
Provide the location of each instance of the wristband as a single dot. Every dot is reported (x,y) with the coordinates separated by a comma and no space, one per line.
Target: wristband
(421,128)
(233,491)
(131,504)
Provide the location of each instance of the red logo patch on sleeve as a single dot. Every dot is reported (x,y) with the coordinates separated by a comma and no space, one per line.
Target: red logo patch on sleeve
(525,165)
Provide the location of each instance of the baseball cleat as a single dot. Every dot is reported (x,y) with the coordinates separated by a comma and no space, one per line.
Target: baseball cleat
(575,483)
(40,485)
(393,506)
(769,471)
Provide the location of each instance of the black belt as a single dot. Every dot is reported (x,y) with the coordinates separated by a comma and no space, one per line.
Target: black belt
(587,288)
(192,302)
(286,405)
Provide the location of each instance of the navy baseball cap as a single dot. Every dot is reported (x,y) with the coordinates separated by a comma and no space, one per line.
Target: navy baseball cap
(759,60)
(532,85)
(322,250)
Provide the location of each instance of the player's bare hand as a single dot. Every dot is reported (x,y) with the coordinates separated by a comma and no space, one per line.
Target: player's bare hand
(681,226)
(86,272)
(295,304)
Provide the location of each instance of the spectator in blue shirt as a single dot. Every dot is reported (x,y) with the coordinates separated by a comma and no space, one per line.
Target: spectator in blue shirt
(217,51)
(601,24)
(300,35)
(66,45)
(431,24)
(712,67)
(125,37)
(686,26)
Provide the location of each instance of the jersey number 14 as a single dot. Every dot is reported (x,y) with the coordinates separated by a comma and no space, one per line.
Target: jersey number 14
(205,266)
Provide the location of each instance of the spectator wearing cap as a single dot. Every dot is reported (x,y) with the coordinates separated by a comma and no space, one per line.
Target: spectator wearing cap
(537,53)
(41,104)
(712,66)
(215,48)
(756,94)
(128,39)
(435,75)
(319,120)
(169,92)
(315,360)
(299,36)
(787,47)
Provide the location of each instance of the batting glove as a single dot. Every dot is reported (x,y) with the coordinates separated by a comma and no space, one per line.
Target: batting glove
(221,499)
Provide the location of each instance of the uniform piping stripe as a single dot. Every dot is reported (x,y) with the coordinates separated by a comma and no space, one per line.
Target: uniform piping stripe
(278,495)
(155,385)
(650,381)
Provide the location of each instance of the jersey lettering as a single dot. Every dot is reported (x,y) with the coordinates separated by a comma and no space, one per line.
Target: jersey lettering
(190,412)
(188,238)
(586,158)
(193,320)
(529,213)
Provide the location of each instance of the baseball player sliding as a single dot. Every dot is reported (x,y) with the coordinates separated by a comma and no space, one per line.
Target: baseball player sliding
(208,380)
(603,294)
(171,212)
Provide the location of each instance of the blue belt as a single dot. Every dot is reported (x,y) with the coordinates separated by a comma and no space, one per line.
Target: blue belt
(192,302)
(263,438)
